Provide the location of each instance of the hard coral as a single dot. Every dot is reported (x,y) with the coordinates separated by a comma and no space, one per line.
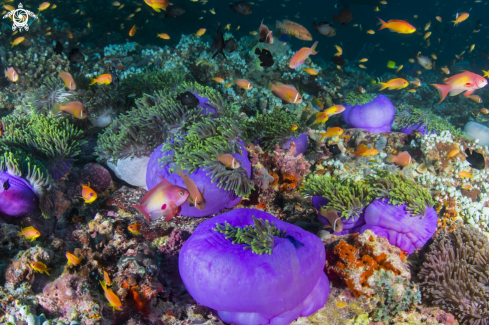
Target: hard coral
(357,261)
(455,272)
(247,287)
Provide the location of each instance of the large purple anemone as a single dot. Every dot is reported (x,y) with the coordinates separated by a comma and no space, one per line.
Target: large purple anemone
(217,198)
(16,196)
(274,279)
(375,116)
(301,143)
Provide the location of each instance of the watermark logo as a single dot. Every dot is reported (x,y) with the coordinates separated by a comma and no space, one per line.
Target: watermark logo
(20,18)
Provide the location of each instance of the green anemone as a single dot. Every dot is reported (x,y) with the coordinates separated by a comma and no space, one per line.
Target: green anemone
(258,238)
(400,190)
(431,122)
(155,119)
(52,91)
(200,146)
(19,163)
(347,197)
(275,128)
(354,98)
(137,84)
(53,140)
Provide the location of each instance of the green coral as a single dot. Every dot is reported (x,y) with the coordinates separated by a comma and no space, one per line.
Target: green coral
(258,238)
(432,123)
(200,146)
(139,131)
(53,140)
(18,163)
(395,295)
(400,190)
(148,82)
(275,128)
(354,98)
(347,197)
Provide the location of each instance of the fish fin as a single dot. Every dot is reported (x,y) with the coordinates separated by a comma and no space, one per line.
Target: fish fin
(391,158)
(257,51)
(469,92)
(384,85)
(140,208)
(222,54)
(56,109)
(215,55)
(93,81)
(442,90)
(314,25)
(313,48)
(455,92)
(163,180)
(384,24)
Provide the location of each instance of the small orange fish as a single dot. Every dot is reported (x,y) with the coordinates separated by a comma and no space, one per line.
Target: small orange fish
(135,228)
(40,267)
(103,79)
(76,219)
(416,82)
(74,108)
(403,159)
(132,32)
(445,70)
(397,83)
(460,18)
(88,194)
(113,299)
(465,174)
(9,7)
(44,6)
(331,132)
(68,80)
(200,32)
(321,117)
(228,85)
(218,79)
(72,259)
(466,186)
(439,19)
(311,71)
(484,111)
(453,153)
(412,91)
(229,161)
(11,74)
(17,41)
(371,32)
(369,152)
(398,26)
(157,5)
(294,127)
(70,35)
(475,98)
(29,233)
(363,60)
(243,83)
(333,110)
(163,36)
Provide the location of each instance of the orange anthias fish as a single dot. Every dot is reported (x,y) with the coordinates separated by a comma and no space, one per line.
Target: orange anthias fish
(107,281)
(218,79)
(17,41)
(287,93)
(243,83)
(403,159)
(460,18)
(44,6)
(398,26)
(40,267)
(331,132)
(132,32)
(333,110)
(229,161)
(157,5)
(163,36)
(88,194)
(290,28)
(363,151)
(72,259)
(113,299)
(397,83)
(200,32)
(310,71)
(135,228)
(196,197)
(30,233)
(321,117)
(74,108)
(302,55)
(466,81)
(11,74)
(68,80)
(164,199)
(103,79)
(465,174)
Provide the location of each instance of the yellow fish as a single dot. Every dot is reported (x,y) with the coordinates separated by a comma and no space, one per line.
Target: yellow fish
(113,299)
(72,259)
(40,267)
(135,228)
(88,194)
(17,41)
(465,174)
(311,71)
(44,6)
(103,79)
(163,36)
(30,233)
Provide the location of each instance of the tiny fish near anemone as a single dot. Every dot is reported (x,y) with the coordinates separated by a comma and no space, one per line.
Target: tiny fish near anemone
(88,194)
(196,197)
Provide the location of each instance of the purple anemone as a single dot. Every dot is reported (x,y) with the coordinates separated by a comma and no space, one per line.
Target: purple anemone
(400,227)
(216,198)
(16,196)
(247,288)
(205,103)
(419,126)
(301,144)
(376,116)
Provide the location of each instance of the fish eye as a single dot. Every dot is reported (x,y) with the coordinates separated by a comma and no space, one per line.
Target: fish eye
(181,193)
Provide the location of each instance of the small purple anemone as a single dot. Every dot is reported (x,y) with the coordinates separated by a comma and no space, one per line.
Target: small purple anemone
(249,288)
(206,105)
(376,116)
(419,126)
(16,196)
(216,198)
(399,226)
(301,144)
